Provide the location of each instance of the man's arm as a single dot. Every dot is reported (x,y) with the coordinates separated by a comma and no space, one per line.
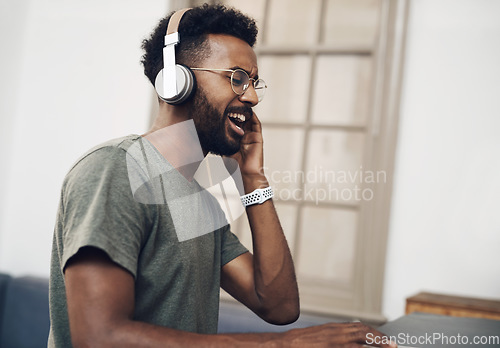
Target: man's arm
(100,297)
(264,282)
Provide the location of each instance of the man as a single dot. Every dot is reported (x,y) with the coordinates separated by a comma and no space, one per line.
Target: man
(126,271)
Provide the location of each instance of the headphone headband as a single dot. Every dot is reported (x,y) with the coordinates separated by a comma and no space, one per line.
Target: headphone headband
(175,19)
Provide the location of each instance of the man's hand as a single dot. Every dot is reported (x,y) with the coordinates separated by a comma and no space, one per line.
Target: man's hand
(336,335)
(251,155)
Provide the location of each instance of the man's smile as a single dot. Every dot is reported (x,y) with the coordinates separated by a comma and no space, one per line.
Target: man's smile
(238,117)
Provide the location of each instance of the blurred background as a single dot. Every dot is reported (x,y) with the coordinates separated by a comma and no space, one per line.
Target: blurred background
(381,126)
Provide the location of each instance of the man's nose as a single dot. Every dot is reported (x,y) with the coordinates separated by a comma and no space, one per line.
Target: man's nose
(250,96)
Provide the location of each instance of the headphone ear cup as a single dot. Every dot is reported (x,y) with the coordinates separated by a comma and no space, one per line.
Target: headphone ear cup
(190,84)
(186,85)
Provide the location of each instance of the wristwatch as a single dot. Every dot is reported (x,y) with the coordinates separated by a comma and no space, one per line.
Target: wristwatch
(258,196)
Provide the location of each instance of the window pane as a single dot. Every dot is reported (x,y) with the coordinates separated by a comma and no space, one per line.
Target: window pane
(327,244)
(287,79)
(282,159)
(342,90)
(334,167)
(351,22)
(292,22)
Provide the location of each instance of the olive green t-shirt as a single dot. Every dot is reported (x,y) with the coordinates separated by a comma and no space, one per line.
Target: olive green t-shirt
(177,279)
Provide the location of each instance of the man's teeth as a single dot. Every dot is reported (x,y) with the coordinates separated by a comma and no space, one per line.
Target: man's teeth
(239,117)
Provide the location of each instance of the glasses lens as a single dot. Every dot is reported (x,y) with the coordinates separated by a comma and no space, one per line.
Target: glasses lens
(260,88)
(240,81)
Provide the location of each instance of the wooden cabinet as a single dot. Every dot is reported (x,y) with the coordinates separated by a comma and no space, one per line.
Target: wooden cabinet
(455,306)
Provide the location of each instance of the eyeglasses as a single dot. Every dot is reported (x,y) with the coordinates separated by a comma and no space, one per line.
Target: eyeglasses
(240,81)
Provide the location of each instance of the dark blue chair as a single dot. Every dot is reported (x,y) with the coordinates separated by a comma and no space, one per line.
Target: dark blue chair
(24,312)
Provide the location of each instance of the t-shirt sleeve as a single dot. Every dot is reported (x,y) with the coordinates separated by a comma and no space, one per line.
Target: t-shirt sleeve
(100,211)
(231,246)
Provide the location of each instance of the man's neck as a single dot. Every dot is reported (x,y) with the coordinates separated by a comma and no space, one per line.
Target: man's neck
(180,146)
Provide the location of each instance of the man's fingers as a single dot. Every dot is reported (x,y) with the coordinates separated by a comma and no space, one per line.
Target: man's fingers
(363,333)
(253,124)
(378,339)
(353,333)
(252,138)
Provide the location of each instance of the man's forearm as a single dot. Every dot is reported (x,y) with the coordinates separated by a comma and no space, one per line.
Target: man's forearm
(133,334)
(139,334)
(274,273)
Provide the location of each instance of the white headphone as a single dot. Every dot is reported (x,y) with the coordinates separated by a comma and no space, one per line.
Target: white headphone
(175,83)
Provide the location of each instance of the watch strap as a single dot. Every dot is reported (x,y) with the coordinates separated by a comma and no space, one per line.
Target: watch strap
(258,196)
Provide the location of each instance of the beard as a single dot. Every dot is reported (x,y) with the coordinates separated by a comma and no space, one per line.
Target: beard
(211,125)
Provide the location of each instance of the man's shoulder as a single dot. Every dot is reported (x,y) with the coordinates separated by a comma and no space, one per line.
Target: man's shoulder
(110,149)
(110,154)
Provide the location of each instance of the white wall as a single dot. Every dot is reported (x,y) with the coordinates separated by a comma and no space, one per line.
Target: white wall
(71,78)
(445,220)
